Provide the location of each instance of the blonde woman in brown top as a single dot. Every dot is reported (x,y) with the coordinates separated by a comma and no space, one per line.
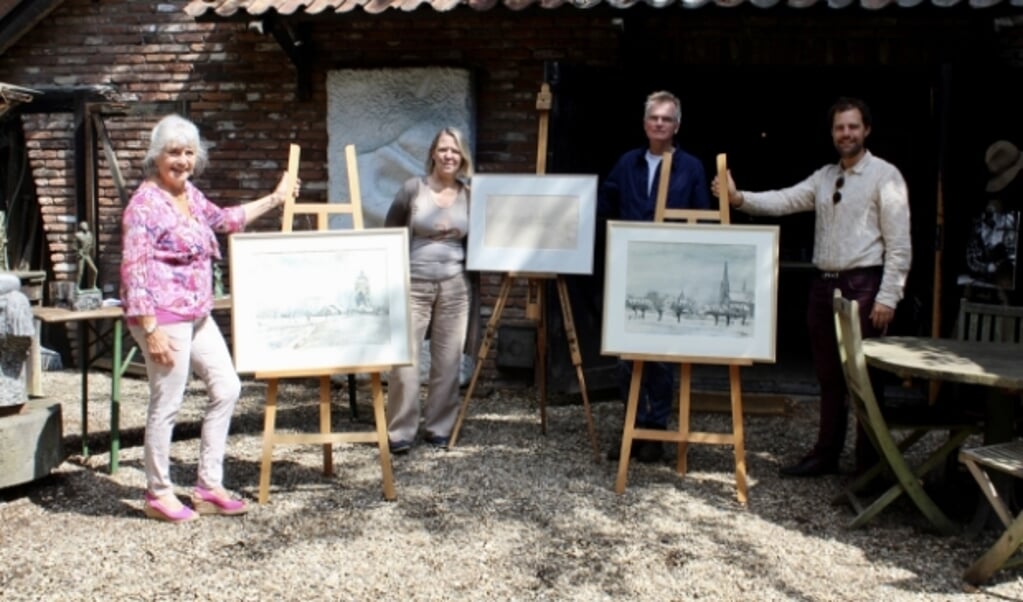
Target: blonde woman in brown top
(435,209)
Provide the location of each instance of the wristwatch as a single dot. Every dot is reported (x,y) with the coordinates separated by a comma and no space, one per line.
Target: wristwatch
(151,329)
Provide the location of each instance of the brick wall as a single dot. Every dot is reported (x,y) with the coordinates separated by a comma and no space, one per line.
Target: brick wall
(241,88)
(50,150)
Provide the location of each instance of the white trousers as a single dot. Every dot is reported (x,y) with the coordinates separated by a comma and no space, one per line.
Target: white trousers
(199,347)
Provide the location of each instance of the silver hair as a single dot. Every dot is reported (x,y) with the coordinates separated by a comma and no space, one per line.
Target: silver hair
(170,131)
(660,97)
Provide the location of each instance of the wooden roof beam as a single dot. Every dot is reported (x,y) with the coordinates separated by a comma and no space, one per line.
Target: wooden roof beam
(293,38)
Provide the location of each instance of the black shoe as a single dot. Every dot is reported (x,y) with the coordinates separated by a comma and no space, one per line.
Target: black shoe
(399,447)
(649,452)
(615,452)
(813,465)
(438,442)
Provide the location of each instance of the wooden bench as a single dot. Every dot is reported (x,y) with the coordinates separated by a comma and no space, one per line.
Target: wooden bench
(1006,458)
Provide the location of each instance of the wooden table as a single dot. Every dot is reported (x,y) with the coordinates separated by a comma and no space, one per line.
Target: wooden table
(996,365)
(56,315)
(987,364)
(993,365)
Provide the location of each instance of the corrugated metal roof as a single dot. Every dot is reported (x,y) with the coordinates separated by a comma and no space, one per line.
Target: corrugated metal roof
(230,8)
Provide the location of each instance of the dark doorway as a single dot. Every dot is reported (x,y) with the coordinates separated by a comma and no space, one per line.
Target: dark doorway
(773,127)
(593,120)
(981,108)
(23,227)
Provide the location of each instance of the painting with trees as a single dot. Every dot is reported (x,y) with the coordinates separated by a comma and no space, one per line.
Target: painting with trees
(691,290)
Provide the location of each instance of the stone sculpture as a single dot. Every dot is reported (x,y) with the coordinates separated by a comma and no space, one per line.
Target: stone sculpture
(86,298)
(218,281)
(84,243)
(16,330)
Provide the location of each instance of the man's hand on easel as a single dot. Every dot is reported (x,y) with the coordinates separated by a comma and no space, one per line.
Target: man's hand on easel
(734,198)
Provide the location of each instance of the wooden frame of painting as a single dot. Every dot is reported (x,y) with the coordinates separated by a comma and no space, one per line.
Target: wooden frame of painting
(532,223)
(321,302)
(690,292)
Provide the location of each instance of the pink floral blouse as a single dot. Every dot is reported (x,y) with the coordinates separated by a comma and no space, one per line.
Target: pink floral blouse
(166,264)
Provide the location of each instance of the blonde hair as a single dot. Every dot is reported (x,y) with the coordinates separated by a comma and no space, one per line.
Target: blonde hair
(465,169)
(174,130)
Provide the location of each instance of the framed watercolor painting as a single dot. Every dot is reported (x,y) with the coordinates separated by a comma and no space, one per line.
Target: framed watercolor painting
(532,223)
(320,302)
(682,292)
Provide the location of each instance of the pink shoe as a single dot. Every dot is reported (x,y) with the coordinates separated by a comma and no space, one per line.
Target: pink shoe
(211,502)
(154,508)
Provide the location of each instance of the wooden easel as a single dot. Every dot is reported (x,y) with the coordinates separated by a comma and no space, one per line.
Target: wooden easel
(685,435)
(323,211)
(535,310)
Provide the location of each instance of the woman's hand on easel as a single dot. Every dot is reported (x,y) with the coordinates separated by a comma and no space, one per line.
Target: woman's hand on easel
(284,188)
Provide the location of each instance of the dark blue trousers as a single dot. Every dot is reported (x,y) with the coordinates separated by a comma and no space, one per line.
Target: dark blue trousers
(657,389)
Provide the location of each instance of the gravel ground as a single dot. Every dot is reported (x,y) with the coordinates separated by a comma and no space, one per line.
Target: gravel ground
(509,514)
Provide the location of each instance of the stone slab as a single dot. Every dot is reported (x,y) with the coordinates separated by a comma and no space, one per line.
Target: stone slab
(31,443)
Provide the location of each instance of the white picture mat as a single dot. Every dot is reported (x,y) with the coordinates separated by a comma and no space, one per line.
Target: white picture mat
(320,301)
(532,223)
(686,264)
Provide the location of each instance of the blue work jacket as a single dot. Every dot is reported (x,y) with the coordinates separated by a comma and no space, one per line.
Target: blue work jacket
(624,194)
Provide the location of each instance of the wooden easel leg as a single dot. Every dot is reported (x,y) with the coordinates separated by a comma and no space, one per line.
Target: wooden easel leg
(488,337)
(328,449)
(577,361)
(541,351)
(381,425)
(269,425)
(629,426)
(739,437)
(685,404)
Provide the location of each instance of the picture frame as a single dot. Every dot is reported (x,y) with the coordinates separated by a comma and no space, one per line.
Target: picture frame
(532,223)
(320,302)
(690,292)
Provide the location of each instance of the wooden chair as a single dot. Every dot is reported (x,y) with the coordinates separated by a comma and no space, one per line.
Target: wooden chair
(996,324)
(989,323)
(879,431)
(993,323)
(1005,458)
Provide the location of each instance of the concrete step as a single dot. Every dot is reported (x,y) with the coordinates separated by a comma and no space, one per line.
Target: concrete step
(30,442)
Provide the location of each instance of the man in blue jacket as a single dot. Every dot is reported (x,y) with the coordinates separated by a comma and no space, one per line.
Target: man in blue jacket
(630,193)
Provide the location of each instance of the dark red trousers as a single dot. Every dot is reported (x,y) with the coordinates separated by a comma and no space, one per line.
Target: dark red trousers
(861,285)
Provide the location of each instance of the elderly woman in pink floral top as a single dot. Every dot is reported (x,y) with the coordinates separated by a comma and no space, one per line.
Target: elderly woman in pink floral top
(166,288)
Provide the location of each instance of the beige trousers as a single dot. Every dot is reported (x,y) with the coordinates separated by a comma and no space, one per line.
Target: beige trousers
(199,347)
(443,307)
